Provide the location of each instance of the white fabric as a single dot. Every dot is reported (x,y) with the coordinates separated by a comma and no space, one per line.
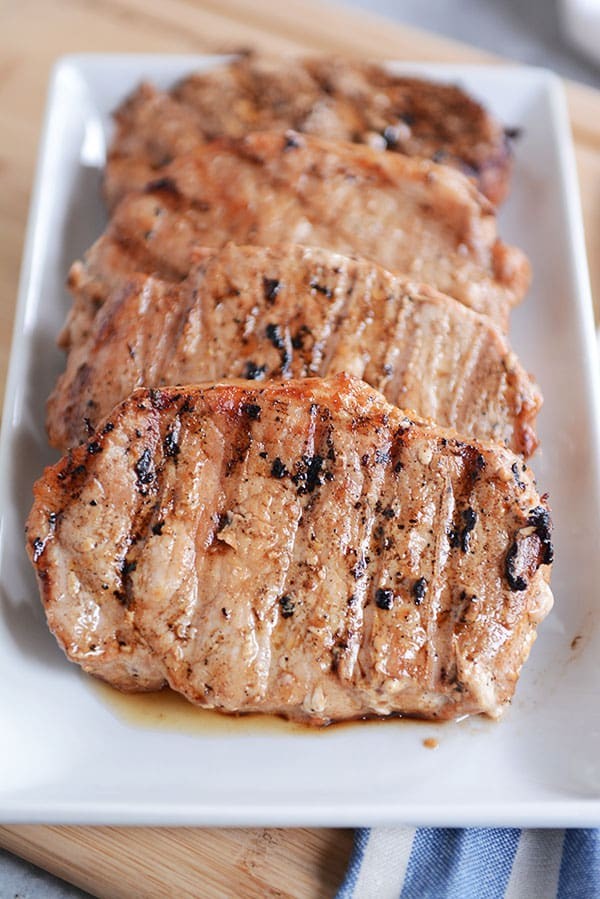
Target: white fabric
(536,866)
(384,863)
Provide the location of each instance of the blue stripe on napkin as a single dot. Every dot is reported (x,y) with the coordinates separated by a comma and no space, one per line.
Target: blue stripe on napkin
(460,863)
(361,838)
(580,868)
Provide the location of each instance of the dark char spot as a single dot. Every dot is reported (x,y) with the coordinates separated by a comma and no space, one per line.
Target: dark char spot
(384,598)
(515,582)
(292,141)
(252,411)
(299,336)
(143,468)
(254,372)
(38,548)
(359,569)
(419,590)
(278,469)
(458,536)
(171,447)
(479,462)
(274,335)
(308,475)
(320,288)
(287,606)
(165,184)
(224,519)
(539,518)
(453,538)
(469,516)
(271,287)
(515,470)
(382,457)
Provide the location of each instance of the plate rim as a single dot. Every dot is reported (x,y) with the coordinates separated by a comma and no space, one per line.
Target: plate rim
(548,813)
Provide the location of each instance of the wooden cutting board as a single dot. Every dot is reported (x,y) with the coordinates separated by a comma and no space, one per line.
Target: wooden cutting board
(168,862)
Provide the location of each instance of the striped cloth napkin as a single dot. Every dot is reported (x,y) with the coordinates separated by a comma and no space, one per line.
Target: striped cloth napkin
(479,863)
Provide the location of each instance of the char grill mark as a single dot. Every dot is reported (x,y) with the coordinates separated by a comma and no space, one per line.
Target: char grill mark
(454,492)
(374,586)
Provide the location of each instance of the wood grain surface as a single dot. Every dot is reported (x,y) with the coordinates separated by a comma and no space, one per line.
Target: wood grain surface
(167,862)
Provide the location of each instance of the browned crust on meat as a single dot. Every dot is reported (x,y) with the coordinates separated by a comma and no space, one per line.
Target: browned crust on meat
(288,312)
(378,564)
(332,98)
(407,214)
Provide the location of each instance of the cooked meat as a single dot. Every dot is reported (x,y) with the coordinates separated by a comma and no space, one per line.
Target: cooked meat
(297,547)
(335,99)
(85,532)
(108,264)
(290,312)
(409,215)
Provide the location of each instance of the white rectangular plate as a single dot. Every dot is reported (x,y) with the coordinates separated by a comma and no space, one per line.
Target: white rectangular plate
(66,755)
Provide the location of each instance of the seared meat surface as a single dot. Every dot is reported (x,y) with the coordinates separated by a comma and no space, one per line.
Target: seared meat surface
(287,312)
(412,216)
(108,264)
(331,98)
(298,547)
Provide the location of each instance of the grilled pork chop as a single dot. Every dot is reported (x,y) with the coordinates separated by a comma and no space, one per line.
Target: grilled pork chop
(409,215)
(298,547)
(335,99)
(289,312)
